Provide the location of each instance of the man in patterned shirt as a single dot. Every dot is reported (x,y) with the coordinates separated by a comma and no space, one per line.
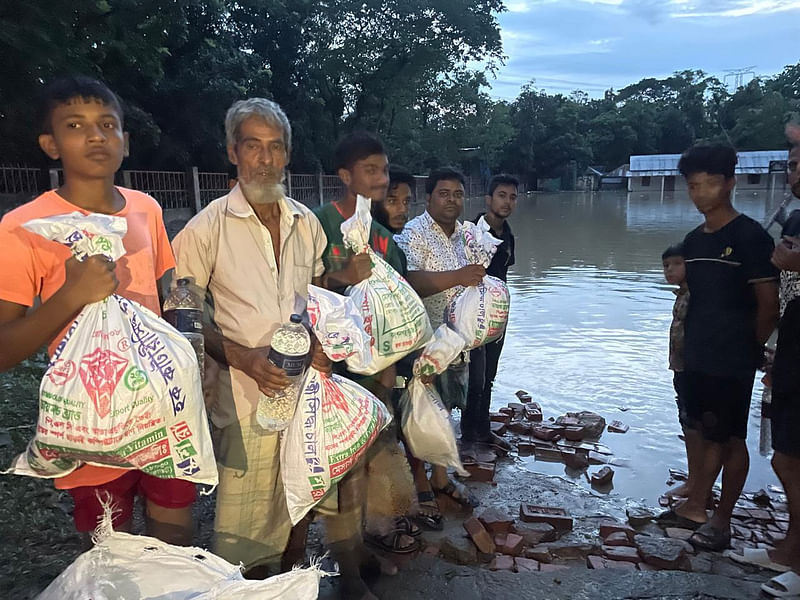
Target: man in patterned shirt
(438,269)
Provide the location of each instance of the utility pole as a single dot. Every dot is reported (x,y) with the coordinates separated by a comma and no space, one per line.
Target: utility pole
(738,76)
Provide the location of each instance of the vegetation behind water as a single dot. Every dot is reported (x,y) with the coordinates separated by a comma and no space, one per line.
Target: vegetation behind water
(406,70)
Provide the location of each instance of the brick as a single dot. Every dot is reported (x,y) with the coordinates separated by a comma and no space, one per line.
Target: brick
(618,427)
(574,459)
(609,526)
(459,549)
(626,553)
(526,448)
(483,472)
(499,540)
(479,536)
(526,565)
(499,417)
(546,432)
(523,396)
(496,521)
(596,458)
(533,413)
(603,476)
(547,453)
(677,533)
(574,433)
(759,514)
(552,568)
(598,562)
(507,411)
(512,544)
(519,427)
(534,533)
(498,428)
(557,517)
(502,563)
(618,538)
(538,553)
(572,550)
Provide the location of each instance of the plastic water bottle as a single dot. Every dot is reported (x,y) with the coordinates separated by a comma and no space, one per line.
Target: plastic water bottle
(183,309)
(288,351)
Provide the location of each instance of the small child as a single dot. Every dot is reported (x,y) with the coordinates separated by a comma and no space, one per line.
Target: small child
(675,274)
(82,126)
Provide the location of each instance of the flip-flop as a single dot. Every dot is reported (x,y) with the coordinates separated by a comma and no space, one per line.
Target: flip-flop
(758,557)
(708,537)
(786,585)
(407,526)
(434,522)
(670,518)
(464,498)
(391,542)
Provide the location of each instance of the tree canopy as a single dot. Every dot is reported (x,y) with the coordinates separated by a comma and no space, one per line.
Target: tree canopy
(407,69)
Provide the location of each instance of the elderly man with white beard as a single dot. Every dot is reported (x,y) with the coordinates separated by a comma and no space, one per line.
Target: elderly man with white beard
(255,251)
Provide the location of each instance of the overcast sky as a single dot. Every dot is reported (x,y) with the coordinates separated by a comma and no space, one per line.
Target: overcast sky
(597,44)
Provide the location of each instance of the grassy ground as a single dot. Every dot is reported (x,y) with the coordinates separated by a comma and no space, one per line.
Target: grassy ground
(38,537)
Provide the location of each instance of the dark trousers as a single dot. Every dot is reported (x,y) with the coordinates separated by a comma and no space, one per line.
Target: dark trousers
(482,371)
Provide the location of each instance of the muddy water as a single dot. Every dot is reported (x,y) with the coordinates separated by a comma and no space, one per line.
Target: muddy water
(589,325)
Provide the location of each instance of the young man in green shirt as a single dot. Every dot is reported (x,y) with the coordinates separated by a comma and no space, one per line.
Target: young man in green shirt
(362,165)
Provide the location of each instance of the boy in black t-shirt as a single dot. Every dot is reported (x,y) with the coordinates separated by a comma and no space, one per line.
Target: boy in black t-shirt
(732,311)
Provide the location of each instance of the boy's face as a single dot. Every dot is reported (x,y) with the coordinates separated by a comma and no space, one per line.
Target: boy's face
(260,154)
(503,200)
(674,270)
(368,177)
(709,191)
(87,136)
(398,199)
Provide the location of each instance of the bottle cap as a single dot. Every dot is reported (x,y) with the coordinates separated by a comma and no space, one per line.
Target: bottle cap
(296,319)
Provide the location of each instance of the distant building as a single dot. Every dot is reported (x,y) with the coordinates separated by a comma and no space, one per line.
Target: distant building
(760,170)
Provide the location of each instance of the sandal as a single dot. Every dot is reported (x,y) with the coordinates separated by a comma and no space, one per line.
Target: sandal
(758,557)
(391,542)
(433,518)
(708,537)
(459,493)
(783,586)
(407,526)
(670,518)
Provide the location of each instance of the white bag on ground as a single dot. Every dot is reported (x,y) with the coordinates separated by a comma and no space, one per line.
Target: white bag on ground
(136,567)
(480,313)
(425,421)
(394,315)
(335,422)
(123,387)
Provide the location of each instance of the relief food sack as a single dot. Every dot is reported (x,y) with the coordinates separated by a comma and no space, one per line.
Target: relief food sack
(480,313)
(394,315)
(123,387)
(335,422)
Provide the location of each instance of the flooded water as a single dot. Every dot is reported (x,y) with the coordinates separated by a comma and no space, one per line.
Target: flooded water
(590,315)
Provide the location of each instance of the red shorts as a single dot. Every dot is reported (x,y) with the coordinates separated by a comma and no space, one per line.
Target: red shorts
(167,493)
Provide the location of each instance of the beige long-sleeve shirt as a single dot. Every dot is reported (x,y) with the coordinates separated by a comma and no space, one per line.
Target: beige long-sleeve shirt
(227,251)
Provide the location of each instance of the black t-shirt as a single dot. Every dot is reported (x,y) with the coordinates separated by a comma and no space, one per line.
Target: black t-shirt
(720,329)
(504,257)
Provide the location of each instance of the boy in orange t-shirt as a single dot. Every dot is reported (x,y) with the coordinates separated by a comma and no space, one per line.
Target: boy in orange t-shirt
(82,126)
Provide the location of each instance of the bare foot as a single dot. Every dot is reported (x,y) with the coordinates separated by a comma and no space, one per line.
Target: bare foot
(681,491)
(682,510)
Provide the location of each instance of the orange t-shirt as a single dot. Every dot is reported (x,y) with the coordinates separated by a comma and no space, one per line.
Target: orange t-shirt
(33,266)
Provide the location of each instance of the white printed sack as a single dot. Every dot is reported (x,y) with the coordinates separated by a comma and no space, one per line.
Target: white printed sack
(394,315)
(339,327)
(136,567)
(480,313)
(425,421)
(335,422)
(123,387)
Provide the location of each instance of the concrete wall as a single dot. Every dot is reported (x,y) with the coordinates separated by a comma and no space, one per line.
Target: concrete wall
(677,183)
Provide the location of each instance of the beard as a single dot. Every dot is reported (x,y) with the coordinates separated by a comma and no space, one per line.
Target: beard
(262,193)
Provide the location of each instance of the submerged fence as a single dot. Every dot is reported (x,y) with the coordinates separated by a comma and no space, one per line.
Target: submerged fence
(191,189)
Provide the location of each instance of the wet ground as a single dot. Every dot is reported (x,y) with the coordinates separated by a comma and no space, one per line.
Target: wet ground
(588,331)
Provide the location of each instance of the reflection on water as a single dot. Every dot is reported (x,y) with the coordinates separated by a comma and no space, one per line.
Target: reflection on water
(589,324)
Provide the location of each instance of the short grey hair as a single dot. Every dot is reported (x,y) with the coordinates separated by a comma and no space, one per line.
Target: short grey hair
(267,110)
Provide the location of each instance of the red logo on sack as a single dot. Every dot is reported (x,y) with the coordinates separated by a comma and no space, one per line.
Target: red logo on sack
(61,371)
(100,373)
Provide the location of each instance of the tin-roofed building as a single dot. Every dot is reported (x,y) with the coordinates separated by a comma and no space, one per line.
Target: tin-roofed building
(759,170)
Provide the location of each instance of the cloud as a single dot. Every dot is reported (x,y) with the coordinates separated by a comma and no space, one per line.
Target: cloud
(518,7)
(595,45)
